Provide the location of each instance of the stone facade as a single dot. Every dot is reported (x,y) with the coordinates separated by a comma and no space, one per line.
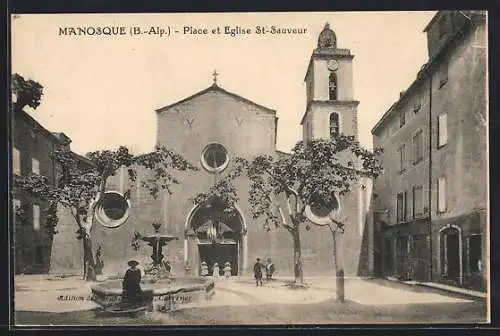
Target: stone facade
(32,145)
(446,238)
(244,129)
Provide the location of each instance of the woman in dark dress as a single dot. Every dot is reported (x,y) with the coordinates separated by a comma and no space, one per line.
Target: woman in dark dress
(132,283)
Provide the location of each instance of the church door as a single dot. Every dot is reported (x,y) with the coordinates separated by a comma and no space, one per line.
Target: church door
(220,254)
(215,240)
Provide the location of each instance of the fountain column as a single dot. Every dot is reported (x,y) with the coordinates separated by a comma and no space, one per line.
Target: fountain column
(192,251)
(244,257)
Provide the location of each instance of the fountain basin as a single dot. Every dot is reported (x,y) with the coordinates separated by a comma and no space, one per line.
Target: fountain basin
(164,295)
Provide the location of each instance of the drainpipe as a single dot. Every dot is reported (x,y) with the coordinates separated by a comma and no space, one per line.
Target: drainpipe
(430,177)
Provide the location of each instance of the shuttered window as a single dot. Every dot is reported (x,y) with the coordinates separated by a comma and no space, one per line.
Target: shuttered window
(16,161)
(442,130)
(36,217)
(35,166)
(442,194)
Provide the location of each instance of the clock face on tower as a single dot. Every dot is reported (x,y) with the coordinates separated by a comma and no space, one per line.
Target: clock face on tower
(332,65)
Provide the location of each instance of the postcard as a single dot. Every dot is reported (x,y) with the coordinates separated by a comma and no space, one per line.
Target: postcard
(250,168)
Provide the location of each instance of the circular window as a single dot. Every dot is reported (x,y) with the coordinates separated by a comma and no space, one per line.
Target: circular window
(320,208)
(215,157)
(319,211)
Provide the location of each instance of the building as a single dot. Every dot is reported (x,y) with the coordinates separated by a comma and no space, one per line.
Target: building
(212,126)
(430,205)
(32,145)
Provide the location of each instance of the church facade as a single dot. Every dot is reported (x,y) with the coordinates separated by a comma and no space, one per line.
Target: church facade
(209,129)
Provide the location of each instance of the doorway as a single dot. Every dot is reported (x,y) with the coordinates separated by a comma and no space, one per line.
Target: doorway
(220,239)
(219,253)
(388,257)
(451,254)
(452,251)
(402,256)
(420,258)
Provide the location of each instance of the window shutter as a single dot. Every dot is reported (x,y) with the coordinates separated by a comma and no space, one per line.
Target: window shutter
(35,166)
(442,194)
(36,217)
(443,129)
(16,161)
(402,158)
(405,206)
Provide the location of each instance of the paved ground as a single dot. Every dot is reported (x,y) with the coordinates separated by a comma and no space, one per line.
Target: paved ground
(38,301)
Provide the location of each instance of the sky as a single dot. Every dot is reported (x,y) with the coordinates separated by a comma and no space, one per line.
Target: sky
(102,91)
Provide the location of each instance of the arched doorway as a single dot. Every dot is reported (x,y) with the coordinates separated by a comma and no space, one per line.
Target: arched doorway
(222,240)
(450,248)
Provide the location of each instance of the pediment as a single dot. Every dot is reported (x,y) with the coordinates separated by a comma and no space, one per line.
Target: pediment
(212,89)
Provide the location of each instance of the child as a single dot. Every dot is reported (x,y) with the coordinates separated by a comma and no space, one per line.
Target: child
(215,272)
(270,268)
(168,269)
(227,270)
(204,268)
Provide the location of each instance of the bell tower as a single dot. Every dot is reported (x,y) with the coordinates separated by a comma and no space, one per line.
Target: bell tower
(331,108)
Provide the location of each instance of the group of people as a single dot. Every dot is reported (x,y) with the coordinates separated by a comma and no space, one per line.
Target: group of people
(216,270)
(132,278)
(258,269)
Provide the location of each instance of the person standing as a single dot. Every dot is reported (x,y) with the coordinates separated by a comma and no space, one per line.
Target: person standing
(204,268)
(216,271)
(270,268)
(132,291)
(99,263)
(257,271)
(227,270)
(168,268)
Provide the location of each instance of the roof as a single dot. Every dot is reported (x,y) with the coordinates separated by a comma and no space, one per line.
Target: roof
(282,153)
(35,124)
(63,138)
(82,158)
(59,137)
(215,88)
(422,74)
(431,22)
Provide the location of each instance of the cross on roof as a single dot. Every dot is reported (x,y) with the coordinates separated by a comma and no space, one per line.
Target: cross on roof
(215,74)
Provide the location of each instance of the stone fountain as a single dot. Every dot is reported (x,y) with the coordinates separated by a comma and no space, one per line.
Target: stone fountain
(161,291)
(157,270)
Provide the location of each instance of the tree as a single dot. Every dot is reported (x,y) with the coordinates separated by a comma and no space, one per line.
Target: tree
(27,92)
(80,188)
(314,174)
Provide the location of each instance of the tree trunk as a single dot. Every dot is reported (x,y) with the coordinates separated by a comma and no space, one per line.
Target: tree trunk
(88,260)
(339,267)
(297,257)
(88,255)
